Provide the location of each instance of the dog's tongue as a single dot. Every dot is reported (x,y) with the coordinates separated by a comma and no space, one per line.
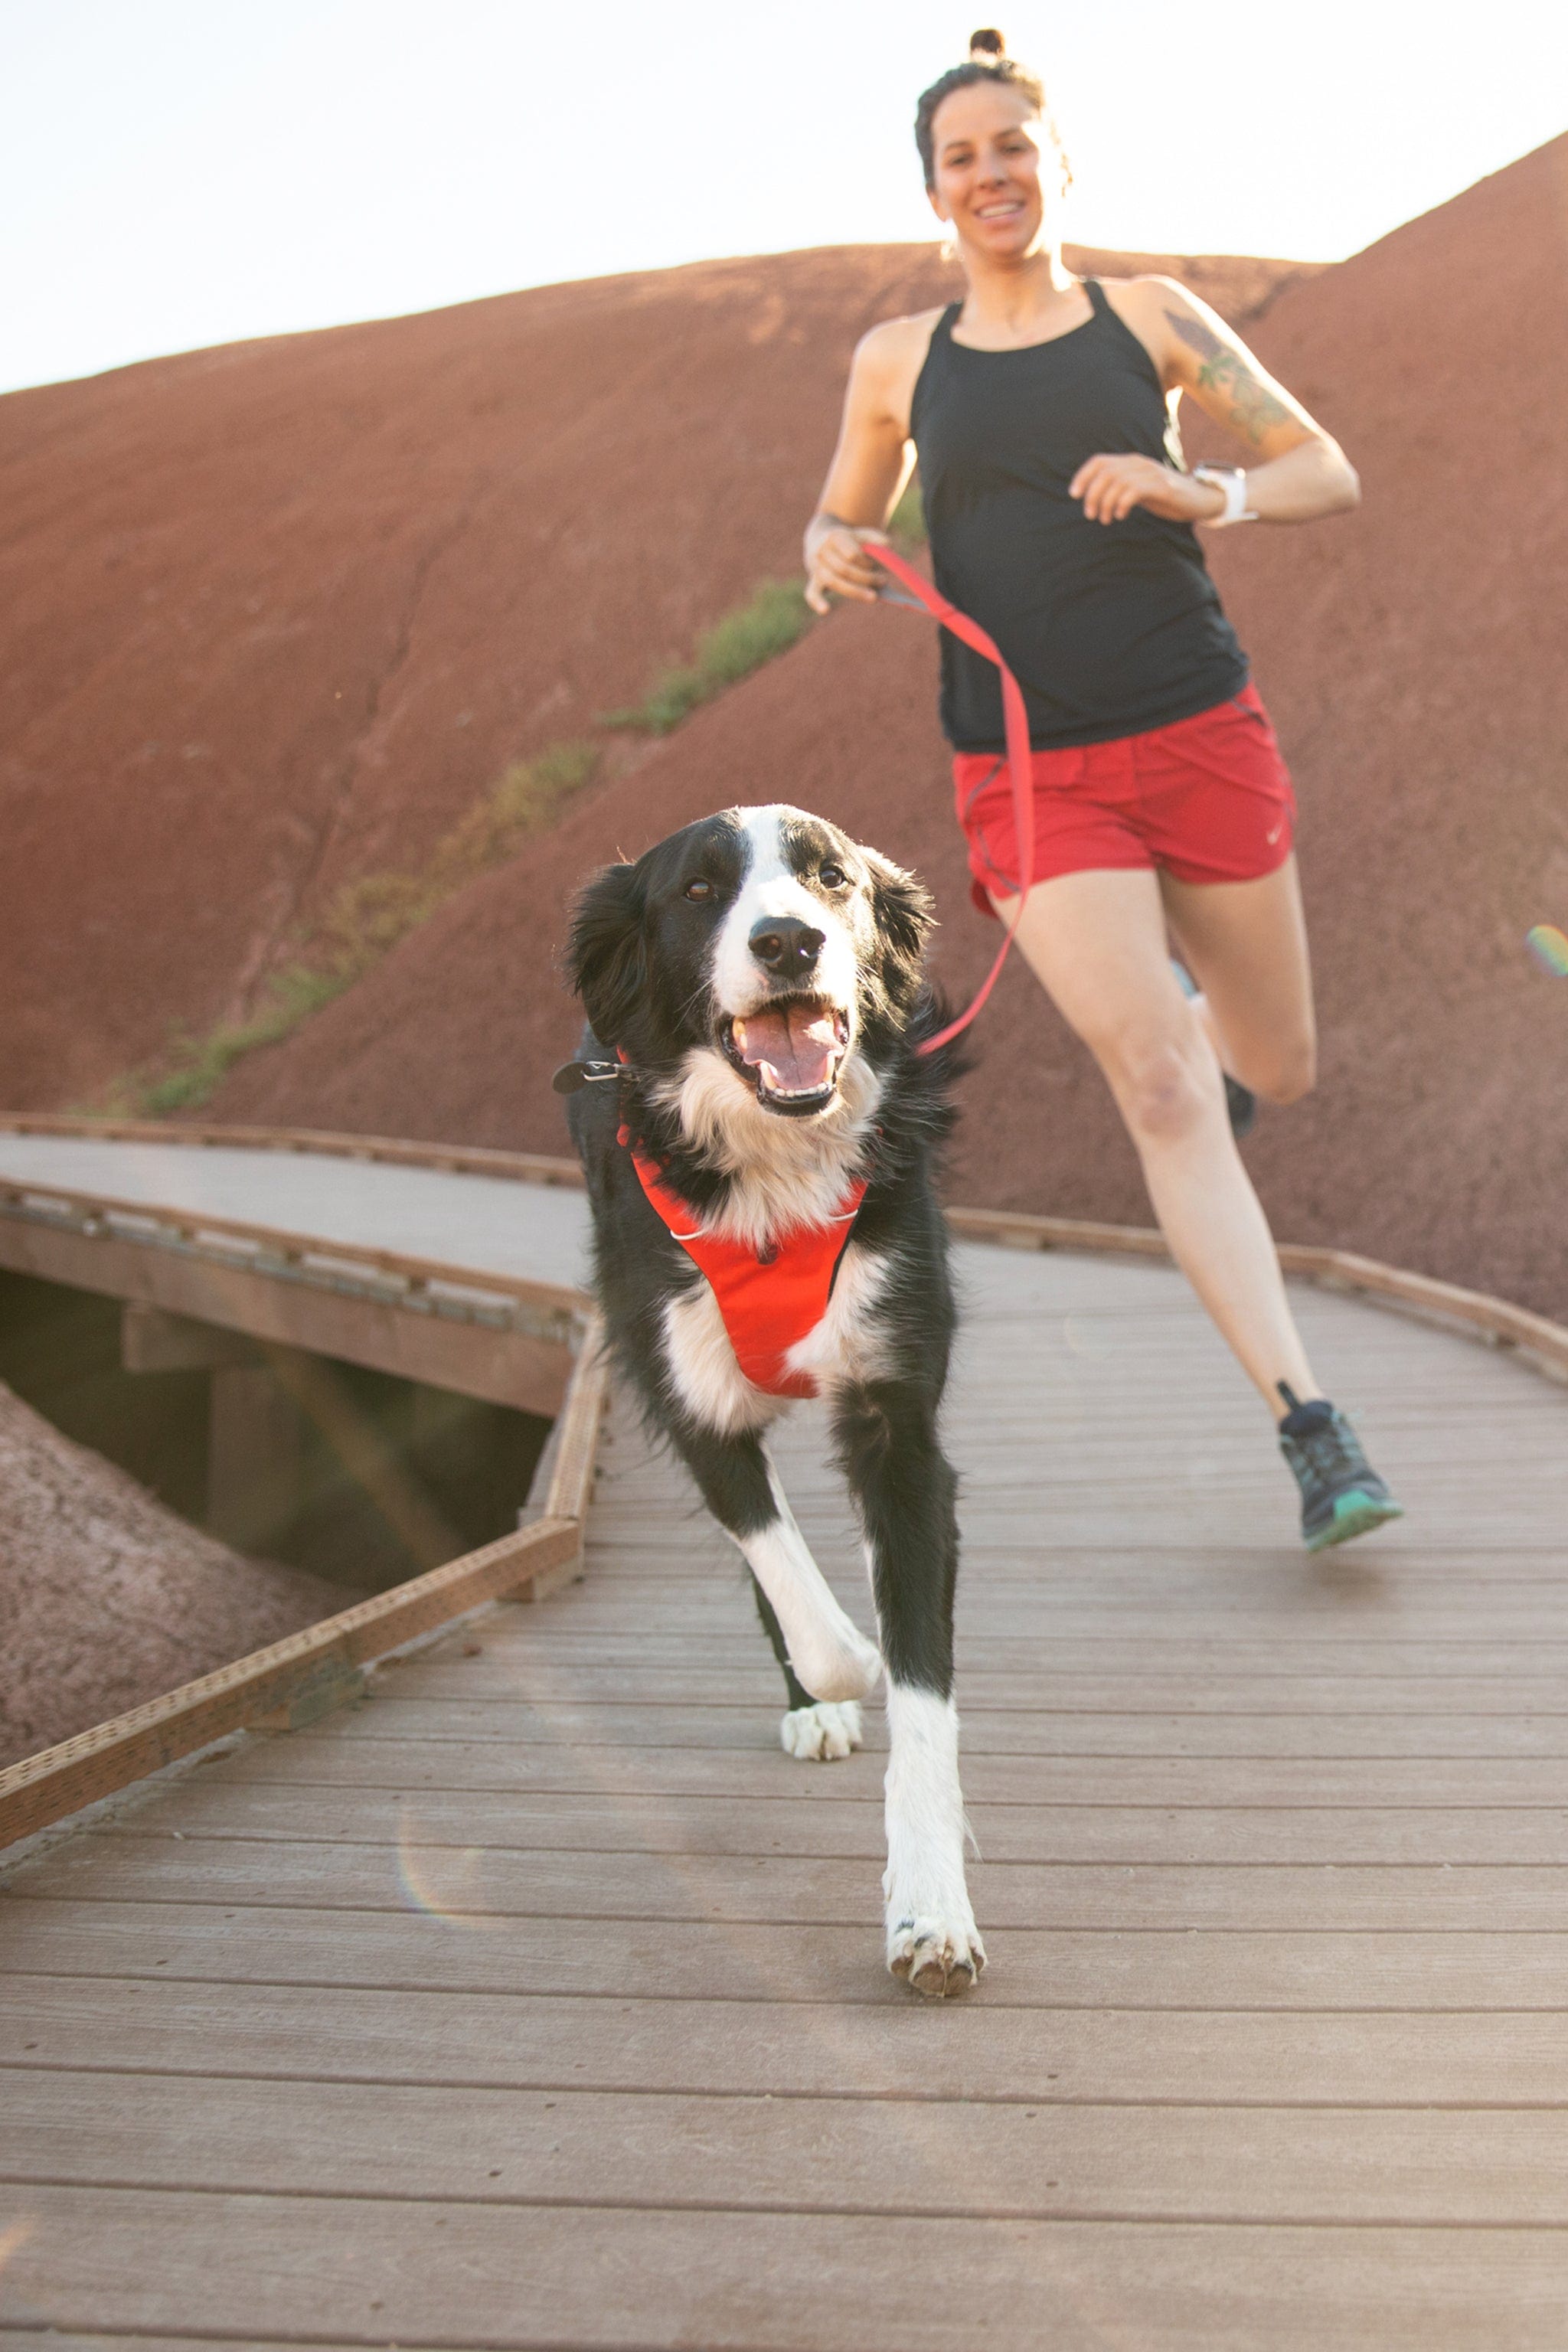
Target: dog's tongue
(791,1045)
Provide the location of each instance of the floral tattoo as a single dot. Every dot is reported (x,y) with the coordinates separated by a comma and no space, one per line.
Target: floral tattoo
(1253,407)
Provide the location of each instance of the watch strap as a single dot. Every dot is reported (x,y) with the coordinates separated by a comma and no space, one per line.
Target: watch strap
(1231,480)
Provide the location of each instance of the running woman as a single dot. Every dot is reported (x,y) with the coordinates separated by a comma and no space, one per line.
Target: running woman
(1061,517)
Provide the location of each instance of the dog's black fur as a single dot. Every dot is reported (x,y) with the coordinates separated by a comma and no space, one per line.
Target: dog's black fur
(658,949)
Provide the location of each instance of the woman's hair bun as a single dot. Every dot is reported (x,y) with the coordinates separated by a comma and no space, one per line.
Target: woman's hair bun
(987,43)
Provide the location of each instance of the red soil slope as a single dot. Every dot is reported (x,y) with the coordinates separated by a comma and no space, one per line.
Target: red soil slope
(275,615)
(1413,657)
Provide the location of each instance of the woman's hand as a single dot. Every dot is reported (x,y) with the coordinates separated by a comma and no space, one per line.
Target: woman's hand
(836,563)
(1110,488)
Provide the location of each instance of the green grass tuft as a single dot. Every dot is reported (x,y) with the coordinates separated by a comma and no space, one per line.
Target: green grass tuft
(776,617)
(364,922)
(200,1064)
(368,918)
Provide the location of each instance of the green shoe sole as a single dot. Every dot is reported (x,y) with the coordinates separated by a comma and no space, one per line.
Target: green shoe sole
(1355,1514)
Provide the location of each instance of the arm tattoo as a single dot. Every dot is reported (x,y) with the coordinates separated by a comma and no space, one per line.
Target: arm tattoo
(1253,407)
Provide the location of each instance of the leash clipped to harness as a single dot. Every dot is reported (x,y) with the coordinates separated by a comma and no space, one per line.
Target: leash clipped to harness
(923,597)
(572,1077)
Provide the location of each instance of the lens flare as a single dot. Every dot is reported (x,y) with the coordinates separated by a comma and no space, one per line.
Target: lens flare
(441,1880)
(1548,945)
(15,2236)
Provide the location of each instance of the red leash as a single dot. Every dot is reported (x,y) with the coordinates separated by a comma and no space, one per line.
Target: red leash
(1019,770)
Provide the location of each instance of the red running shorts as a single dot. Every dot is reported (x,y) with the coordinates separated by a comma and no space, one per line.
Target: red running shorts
(1207,800)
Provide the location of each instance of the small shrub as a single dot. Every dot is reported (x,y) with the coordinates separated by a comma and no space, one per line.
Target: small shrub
(200,1064)
(526,797)
(364,922)
(776,616)
(367,917)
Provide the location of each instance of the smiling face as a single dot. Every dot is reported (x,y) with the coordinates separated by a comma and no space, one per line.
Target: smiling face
(985,171)
(762,948)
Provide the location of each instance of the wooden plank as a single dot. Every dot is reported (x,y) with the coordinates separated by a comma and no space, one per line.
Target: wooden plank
(750,1724)
(1267,1665)
(475,2144)
(295,1673)
(1020,1783)
(734,2046)
(1524,1614)
(837,1963)
(126,2259)
(511,1671)
(437,1825)
(500,1884)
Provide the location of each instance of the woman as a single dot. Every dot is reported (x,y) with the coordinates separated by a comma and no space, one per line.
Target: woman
(1041,409)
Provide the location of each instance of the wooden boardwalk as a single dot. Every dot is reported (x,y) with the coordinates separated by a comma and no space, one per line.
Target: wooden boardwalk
(538,2000)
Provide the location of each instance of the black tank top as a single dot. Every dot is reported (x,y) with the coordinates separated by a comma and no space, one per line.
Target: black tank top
(1111,628)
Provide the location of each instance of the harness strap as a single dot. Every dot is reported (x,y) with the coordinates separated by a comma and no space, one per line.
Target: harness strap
(770,1299)
(1020,771)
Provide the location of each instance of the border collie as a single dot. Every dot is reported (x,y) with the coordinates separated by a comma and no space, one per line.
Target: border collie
(758,1133)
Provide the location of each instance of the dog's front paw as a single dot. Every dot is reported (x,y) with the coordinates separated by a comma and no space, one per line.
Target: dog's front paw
(934,1954)
(821,1733)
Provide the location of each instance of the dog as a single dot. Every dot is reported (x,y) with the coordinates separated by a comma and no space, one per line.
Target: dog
(758,1131)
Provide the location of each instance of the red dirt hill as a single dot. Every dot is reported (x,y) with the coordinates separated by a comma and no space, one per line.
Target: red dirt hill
(1412,653)
(277,613)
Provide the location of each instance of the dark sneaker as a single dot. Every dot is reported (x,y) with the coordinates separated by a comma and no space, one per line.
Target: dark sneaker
(1342,1494)
(1240,1101)
(1242,1104)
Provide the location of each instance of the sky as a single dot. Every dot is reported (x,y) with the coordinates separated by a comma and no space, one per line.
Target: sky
(176,174)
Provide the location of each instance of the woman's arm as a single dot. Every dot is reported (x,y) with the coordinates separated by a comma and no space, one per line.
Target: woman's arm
(869,468)
(1299,470)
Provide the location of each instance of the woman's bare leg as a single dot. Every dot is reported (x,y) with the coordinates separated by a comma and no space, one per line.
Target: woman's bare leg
(1245,943)
(1097,941)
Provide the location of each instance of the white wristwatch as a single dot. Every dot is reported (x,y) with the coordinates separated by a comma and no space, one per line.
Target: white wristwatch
(1232,481)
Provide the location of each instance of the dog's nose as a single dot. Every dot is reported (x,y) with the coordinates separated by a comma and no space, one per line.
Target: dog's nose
(786,946)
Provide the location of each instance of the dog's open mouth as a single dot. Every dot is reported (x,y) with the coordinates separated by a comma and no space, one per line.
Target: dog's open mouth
(791,1051)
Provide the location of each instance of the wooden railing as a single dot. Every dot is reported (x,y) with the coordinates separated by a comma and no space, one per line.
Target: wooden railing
(293,1681)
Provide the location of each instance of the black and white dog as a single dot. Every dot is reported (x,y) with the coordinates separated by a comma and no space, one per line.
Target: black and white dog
(758,1133)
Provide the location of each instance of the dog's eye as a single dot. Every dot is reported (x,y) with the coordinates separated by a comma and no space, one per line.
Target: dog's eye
(832,877)
(698,891)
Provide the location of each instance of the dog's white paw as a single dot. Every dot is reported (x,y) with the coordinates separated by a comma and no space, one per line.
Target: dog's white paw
(821,1733)
(937,1955)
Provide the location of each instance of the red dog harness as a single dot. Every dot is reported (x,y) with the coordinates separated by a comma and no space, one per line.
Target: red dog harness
(770,1299)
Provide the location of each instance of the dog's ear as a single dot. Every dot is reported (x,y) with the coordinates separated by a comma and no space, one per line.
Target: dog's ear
(905,913)
(606,958)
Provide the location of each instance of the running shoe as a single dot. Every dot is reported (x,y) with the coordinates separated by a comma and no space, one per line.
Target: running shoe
(1240,1102)
(1342,1494)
